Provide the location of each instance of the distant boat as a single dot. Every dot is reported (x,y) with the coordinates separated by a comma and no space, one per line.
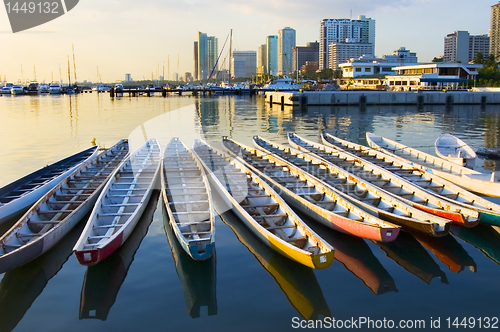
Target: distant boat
(24,192)
(54,89)
(453,149)
(5,90)
(284,83)
(58,211)
(17,90)
(187,198)
(69,91)
(100,88)
(33,88)
(44,88)
(120,205)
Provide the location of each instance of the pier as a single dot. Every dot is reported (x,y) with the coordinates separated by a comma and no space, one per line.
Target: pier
(195,92)
(366,98)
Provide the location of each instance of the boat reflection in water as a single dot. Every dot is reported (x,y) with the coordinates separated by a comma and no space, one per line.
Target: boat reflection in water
(103,280)
(448,251)
(485,238)
(297,281)
(408,253)
(357,257)
(21,286)
(198,278)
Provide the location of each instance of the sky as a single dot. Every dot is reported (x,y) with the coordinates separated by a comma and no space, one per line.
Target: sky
(145,38)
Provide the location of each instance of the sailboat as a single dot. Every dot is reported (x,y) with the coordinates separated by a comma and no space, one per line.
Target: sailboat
(69,90)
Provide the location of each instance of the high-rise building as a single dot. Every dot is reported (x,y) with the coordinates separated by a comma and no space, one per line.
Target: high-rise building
(342,52)
(401,56)
(303,54)
(286,42)
(207,55)
(479,43)
(262,59)
(456,47)
(462,47)
(495,31)
(195,53)
(272,55)
(360,31)
(128,78)
(243,63)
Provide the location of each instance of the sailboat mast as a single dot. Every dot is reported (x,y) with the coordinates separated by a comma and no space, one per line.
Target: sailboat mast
(69,74)
(74,62)
(230,57)
(34,72)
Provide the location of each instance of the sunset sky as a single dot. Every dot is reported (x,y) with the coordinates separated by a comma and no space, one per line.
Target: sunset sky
(138,37)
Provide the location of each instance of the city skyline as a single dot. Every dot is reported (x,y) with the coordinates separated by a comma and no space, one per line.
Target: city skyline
(143,38)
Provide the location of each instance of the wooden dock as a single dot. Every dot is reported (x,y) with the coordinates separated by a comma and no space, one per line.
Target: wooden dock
(194,92)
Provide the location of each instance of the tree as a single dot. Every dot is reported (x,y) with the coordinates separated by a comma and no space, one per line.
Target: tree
(478,58)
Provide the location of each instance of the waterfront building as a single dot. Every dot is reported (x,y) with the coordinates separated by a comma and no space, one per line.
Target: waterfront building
(495,31)
(207,55)
(243,63)
(431,76)
(331,31)
(128,77)
(341,52)
(262,59)
(272,55)
(368,65)
(286,42)
(188,77)
(302,54)
(195,53)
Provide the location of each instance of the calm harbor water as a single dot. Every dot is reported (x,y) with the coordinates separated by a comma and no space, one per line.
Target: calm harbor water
(150,284)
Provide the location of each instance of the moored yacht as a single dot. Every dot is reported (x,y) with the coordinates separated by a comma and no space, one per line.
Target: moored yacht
(54,89)
(17,90)
(33,88)
(44,88)
(284,83)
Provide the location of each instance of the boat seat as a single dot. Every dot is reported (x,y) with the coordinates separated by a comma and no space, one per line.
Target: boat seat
(98,237)
(107,226)
(114,214)
(53,211)
(281,227)
(190,212)
(196,233)
(258,205)
(123,204)
(64,202)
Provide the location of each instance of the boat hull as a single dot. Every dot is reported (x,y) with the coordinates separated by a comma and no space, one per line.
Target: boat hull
(16,206)
(112,242)
(317,261)
(485,184)
(44,240)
